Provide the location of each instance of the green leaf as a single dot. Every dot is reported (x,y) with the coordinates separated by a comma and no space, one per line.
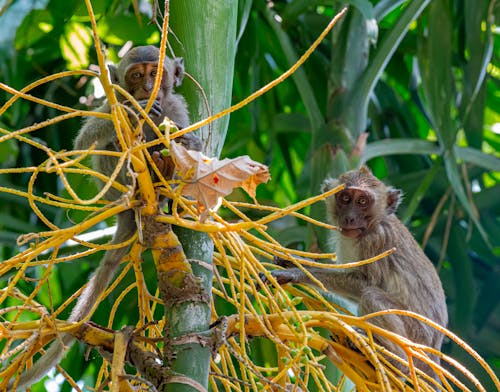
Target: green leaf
(478,158)
(418,195)
(384,7)
(364,6)
(487,299)
(245,11)
(464,281)
(12,17)
(292,235)
(479,44)
(118,29)
(16,225)
(399,146)
(435,65)
(300,78)
(76,44)
(9,152)
(455,179)
(33,28)
(290,123)
(369,78)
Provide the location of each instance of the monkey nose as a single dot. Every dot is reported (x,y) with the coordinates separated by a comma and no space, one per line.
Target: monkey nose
(347,221)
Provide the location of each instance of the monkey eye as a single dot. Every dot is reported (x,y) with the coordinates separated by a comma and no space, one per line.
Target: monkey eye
(345,198)
(154,73)
(362,201)
(136,75)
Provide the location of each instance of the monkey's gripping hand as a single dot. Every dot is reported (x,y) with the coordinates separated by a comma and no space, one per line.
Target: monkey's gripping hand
(165,164)
(281,276)
(289,275)
(155,112)
(190,141)
(283,262)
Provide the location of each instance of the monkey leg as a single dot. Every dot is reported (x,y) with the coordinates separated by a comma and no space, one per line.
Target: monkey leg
(374,299)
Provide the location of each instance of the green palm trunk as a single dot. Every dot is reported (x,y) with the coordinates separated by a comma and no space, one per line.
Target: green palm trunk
(207,31)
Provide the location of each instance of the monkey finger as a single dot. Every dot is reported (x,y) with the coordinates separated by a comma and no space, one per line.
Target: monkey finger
(158,160)
(190,142)
(264,280)
(164,164)
(156,109)
(283,262)
(281,276)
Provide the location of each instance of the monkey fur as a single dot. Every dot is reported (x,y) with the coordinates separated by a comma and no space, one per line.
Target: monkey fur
(365,214)
(136,73)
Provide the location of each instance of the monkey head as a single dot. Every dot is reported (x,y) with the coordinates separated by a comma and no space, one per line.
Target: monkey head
(363,203)
(136,73)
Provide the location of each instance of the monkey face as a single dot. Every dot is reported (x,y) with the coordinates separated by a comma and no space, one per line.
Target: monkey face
(140,79)
(137,71)
(363,203)
(354,211)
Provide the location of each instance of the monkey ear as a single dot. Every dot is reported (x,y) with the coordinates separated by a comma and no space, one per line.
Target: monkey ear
(178,71)
(113,73)
(365,170)
(328,184)
(394,197)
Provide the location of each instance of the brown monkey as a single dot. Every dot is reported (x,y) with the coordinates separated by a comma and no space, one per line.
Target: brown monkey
(136,73)
(365,214)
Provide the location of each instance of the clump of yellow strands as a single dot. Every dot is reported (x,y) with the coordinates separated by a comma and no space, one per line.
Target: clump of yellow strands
(290,320)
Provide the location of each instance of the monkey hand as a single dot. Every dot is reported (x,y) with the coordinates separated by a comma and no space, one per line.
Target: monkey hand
(281,276)
(190,141)
(156,109)
(155,112)
(283,262)
(164,163)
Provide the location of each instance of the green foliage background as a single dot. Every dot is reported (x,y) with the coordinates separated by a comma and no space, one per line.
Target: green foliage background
(426,91)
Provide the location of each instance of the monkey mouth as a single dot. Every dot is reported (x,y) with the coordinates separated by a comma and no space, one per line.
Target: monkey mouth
(351,232)
(142,96)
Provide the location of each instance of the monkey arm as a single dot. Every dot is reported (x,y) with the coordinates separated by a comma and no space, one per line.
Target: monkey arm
(97,131)
(348,283)
(176,110)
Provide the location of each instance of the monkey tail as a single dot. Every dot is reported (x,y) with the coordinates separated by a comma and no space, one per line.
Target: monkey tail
(84,305)
(50,359)
(97,284)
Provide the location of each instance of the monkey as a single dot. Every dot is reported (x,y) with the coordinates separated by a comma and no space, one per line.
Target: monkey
(136,73)
(364,212)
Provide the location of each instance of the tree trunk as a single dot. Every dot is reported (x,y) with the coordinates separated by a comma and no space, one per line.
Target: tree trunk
(207,33)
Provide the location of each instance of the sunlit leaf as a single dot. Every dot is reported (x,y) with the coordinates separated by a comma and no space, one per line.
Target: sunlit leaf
(75,45)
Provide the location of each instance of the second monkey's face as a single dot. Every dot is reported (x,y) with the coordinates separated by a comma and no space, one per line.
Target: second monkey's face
(362,205)
(354,210)
(140,79)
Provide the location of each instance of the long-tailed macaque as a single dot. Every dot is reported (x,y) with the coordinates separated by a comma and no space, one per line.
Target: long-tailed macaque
(136,73)
(364,212)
